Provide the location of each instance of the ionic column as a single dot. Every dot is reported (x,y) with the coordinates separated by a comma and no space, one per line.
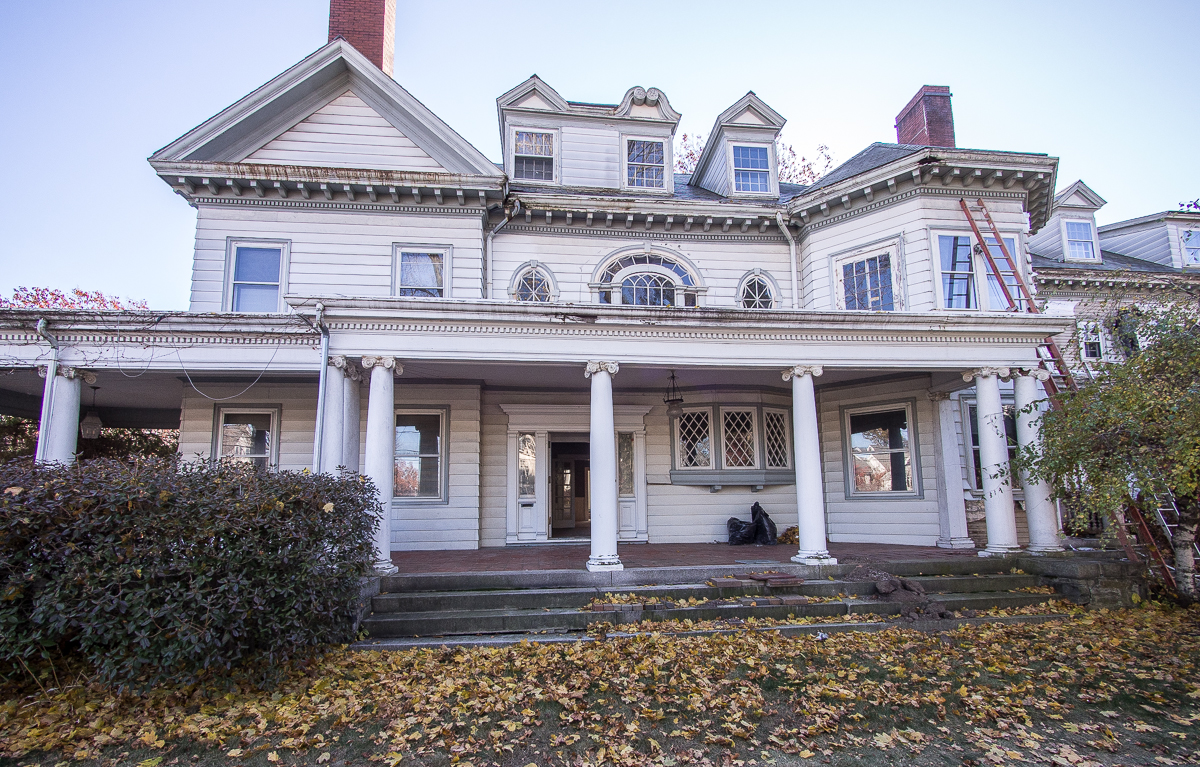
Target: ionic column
(603,469)
(1000,514)
(810,492)
(381,450)
(333,430)
(1039,508)
(58,434)
(952,507)
(352,417)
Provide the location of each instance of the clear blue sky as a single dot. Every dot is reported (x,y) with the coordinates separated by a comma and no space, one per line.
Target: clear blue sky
(93,88)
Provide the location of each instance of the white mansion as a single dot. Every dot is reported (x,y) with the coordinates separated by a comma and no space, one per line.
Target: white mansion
(577,343)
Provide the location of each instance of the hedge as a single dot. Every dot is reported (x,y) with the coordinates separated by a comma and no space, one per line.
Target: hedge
(156,570)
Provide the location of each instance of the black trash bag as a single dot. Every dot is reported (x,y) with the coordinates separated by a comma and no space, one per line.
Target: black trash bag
(765,532)
(740,533)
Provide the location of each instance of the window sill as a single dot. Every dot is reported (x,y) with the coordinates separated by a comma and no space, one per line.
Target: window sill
(733,477)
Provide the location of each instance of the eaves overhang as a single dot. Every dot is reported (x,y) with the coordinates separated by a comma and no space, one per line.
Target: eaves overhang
(648,212)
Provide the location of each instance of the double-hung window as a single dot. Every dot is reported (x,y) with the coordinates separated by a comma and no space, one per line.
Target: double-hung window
(961,259)
(996,300)
(751,169)
(645,164)
(421,272)
(419,454)
(1091,341)
(958,272)
(256,277)
(867,283)
(533,156)
(1010,430)
(247,435)
(881,450)
(1191,247)
(1079,241)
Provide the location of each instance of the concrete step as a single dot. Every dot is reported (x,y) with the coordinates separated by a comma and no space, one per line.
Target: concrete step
(508,620)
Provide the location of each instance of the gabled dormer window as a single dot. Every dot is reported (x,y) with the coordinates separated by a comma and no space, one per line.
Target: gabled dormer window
(533,156)
(751,169)
(1079,241)
(645,164)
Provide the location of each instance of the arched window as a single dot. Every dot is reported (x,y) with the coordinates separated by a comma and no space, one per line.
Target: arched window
(532,285)
(647,279)
(756,294)
(648,289)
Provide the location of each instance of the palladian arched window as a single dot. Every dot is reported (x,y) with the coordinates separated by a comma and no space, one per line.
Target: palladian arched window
(647,279)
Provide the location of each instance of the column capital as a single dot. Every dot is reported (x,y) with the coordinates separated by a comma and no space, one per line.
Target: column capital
(338,361)
(369,362)
(353,372)
(595,366)
(799,371)
(938,396)
(1040,374)
(971,375)
(68,372)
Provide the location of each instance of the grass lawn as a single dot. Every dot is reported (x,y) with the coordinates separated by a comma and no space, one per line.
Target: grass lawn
(1095,688)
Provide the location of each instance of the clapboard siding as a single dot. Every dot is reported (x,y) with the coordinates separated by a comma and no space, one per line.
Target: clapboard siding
(591,157)
(346,133)
(298,411)
(333,253)
(493,469)
(454,524)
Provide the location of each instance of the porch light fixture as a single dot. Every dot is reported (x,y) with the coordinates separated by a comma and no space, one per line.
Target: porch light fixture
(89,427)
(673,399)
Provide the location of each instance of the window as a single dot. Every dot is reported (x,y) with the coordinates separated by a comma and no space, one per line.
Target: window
(775,428)
(996,300)
(693,440)
(958,273)
(1191,247)
(1091,345)
(644,164)
(739,439)
(421,273)
(247,435)
(526,466)
(1010,429)
(646,279)
(648,290)
(419,454)
(533,156)
(256,277)
(1079,240)
(756,293)
(868,284)
(533,285)
(881,452)
(751,169)
(625,463)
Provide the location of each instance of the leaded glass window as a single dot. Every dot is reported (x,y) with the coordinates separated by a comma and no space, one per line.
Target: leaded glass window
(533,156)
(775,433)
(737,428)
(756,294)
(645,163)
(693,447)
(533,285)
(867,284)
(526,466)
(751,169)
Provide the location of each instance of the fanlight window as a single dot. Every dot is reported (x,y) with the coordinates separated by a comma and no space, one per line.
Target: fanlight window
(671,284)
(756,294)
(648,290)
(533,285)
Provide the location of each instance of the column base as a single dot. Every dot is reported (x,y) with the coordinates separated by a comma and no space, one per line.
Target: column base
(385,567)
(955,543)
(814,558)
(1000,551)
(1042,550)
(604,564)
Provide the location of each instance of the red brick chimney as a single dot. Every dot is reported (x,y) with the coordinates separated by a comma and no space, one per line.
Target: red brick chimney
(927,120)
(368,25)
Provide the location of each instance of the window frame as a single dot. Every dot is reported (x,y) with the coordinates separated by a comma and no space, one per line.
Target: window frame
(974,483)
(219,412)
(447,253)
(772,168)
(542,269)
(443,412)
(981,274)
(1091,331)
(717,474)
(893,246)
(790,447)
(712,440)
(613,287)
(668,186)
(1186,234)
(285,258)
(1066,241)
(909,405)
(772,289)
(511,158)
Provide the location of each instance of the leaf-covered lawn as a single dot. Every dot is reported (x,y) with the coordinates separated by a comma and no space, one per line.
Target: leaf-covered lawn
(1093,688)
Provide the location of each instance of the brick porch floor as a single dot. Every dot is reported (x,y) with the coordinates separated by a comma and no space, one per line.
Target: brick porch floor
(574,556)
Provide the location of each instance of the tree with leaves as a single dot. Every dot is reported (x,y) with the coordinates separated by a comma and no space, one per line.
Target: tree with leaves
(84,300)
(1133,434)
(793,168)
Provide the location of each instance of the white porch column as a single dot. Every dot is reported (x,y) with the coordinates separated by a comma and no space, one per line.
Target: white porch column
(952,507)
(603,489)
(351,401)
(810,492)
(1000,514)
(333,431)
(1039,508)
(58,436)
(381,449)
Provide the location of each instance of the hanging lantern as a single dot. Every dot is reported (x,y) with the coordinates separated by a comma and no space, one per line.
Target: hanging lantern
(89,427)
(673,399)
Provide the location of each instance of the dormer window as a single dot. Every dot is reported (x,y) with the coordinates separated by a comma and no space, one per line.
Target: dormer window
(1079,241)
(645,164)
(1191,247)
(533,156)
(751,169)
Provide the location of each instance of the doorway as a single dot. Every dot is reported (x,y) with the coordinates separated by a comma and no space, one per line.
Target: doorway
(570,499)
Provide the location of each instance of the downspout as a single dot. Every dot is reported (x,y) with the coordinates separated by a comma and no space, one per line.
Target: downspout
(47,392)
(320,430)
(783,226)
(491,274)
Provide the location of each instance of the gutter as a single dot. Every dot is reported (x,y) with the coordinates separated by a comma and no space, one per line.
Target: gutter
(783,226)
(487,256)
(319,432)
(47,392)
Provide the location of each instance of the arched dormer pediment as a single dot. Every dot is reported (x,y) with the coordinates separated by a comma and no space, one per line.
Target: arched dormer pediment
(647,103)
(647,275)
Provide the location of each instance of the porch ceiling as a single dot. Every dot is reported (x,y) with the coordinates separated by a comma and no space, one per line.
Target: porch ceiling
(151,400)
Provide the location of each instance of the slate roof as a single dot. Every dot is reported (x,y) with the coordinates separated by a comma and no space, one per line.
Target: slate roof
(874,156)
(1112,262)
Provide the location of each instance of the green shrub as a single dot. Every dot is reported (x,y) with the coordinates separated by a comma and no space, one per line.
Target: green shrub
(158,570)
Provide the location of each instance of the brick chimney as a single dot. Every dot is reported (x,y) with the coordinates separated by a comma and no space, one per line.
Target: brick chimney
(927,120)
(368,25)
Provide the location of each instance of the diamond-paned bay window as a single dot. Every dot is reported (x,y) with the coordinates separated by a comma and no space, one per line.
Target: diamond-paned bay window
(739,439)
(693,448)
(775,434)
